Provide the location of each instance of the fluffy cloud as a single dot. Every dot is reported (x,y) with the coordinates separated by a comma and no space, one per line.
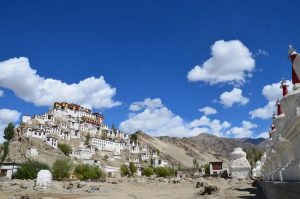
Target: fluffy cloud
(17,75)
(244,131)
(149,103)
(271,92)
(231,62)
(208,110)
(263,135)
(215,126)
(7,116)
(232,97)
(265,112)
(157,120)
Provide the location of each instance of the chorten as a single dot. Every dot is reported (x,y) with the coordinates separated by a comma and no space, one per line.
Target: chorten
(239,165)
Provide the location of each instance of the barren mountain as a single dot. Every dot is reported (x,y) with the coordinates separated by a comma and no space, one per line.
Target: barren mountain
(204,147)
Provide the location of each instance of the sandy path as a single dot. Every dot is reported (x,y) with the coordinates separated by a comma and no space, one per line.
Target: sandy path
(228,189)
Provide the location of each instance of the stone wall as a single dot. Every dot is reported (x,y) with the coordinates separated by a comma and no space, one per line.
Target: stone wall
(279,190)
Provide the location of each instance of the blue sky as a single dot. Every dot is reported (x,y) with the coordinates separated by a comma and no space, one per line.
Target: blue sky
(145,50)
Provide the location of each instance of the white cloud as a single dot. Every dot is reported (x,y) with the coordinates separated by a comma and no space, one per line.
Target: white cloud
(263,135)
(232,97)
(208,110)
(244,131)
(17,75)
(149,103)
(7,116)
(157,120)
(271,93)
(262,52)
(1,93)
(265,112)
(231,62)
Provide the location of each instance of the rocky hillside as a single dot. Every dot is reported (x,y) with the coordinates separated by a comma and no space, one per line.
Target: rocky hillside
(203,147)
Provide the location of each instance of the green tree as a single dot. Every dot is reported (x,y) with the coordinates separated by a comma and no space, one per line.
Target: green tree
(5,149)
(88,172)
(65,148)
(87,139)
(61,169)
(132,168)
(148,171)
(207,169)
(124,170)
(134,137)
(113,128)
(253,155)
(164,171)
(30,169)
(195,163)
(9,132)
(158,152)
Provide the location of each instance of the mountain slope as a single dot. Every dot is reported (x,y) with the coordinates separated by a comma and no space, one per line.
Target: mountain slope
(204,147)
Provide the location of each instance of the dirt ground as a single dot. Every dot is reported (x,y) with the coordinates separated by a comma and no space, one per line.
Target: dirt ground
(140,188)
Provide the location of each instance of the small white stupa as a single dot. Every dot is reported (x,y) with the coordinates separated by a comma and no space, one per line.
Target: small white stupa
(256,171)
(44,179)
(239,165)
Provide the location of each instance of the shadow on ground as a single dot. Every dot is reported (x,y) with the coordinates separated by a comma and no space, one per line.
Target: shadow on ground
(255,193)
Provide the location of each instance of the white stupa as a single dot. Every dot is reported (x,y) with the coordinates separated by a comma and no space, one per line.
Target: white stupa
(256,171)
(239,165)
(44,179)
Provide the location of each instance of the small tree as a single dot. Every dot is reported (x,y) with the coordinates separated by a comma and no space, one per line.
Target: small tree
(9,132)
(132,168)
(195,163)
(148,171)
(30,169)
(61,169)
(113,128)
(65,148)
(134,137)
(158,152)
(207,169)
(87,139)
(124,170)
(88,172)
(164,171)
(5,148)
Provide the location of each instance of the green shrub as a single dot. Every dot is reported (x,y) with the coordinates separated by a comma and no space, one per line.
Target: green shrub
(124,170)
(207,169)
(30,169)
(253,155)
(61,169)
(148,171)
(65,148)
(132,168)
(86,172)
(164,171)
